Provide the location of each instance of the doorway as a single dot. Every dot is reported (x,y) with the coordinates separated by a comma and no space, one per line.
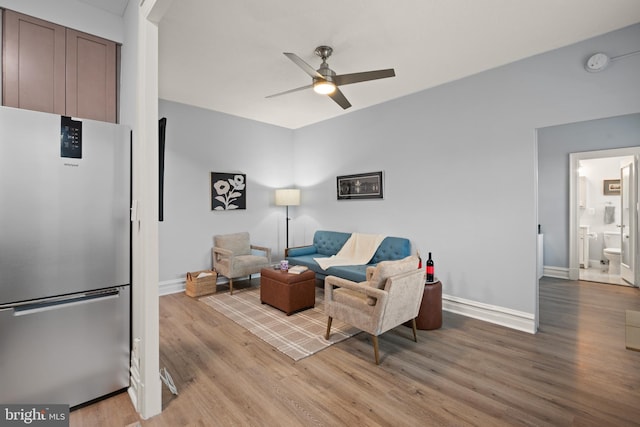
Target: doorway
(604,216)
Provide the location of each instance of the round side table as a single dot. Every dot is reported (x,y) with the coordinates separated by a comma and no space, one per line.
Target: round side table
(430,314)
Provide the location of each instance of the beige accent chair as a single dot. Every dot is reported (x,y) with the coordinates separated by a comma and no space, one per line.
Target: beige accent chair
(233,256)
(389,297)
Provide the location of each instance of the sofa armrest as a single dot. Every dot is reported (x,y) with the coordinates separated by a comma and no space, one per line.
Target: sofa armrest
(300,251)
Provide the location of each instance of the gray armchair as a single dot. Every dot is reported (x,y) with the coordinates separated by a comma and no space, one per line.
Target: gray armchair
(233,256)
(390,297)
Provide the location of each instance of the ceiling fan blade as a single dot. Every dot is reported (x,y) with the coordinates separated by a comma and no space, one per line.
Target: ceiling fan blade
(290,91)
(347,79)
(305,67)
(340,99)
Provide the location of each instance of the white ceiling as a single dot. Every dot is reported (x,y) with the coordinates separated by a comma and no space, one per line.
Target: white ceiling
(227,55)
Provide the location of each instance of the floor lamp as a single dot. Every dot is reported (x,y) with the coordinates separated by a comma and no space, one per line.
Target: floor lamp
(288,197)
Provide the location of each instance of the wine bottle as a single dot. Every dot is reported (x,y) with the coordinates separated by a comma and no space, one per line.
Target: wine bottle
(419,261)
(430,269)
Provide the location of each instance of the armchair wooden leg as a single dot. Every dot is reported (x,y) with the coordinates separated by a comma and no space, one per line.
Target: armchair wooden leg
(326,336)
(230,286)
(413,326)
(374,338)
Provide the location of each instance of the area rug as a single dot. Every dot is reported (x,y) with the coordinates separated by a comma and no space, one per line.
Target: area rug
(298,336)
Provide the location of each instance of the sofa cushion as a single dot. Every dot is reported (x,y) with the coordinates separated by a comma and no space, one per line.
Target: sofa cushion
(307,261)
(392,248)
(329,242)
(355,273)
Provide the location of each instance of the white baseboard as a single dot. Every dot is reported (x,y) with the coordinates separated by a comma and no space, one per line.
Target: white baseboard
(179,285)
(557,272)
(172,286)
(490,313)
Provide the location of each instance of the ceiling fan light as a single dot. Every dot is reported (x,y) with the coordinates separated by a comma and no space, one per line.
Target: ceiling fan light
(324,87)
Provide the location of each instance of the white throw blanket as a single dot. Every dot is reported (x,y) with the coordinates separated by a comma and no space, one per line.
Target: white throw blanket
(358,250)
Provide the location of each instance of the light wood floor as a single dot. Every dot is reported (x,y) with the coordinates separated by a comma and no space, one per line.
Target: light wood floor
(574,372)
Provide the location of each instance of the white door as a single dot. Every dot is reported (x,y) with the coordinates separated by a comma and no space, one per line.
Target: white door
(628,222)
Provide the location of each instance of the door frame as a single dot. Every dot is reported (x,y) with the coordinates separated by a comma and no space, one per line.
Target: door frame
(574,218)
(632,222)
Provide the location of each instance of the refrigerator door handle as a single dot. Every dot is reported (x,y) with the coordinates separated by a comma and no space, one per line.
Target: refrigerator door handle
(27,309)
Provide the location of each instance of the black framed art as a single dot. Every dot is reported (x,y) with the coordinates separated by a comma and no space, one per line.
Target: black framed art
(228,191)
(360,186)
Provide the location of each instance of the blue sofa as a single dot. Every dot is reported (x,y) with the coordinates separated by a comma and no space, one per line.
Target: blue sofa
(327,243)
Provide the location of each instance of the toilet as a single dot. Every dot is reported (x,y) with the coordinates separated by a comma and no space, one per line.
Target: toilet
(612,250)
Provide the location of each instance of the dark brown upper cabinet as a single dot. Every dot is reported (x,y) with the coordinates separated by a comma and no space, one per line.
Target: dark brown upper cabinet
(50,68)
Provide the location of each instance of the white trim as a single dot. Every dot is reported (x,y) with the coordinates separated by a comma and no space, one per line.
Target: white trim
(171,287)
(539,235)
(557,272)
(513,319)
(175,286)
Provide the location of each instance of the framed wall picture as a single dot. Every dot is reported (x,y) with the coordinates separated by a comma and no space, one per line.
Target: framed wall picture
(360,186)
(611,187)
(228,191)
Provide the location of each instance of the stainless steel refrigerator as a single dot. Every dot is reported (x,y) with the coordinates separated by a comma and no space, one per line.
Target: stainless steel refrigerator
(64,258)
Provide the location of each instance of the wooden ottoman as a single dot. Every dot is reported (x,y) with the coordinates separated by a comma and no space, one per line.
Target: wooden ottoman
(288,292)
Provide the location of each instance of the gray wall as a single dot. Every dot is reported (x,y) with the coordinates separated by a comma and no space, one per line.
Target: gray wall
(199,142)
(460,164)
(554,146)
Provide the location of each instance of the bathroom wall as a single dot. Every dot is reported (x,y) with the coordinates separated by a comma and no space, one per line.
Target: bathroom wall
(596,171)
(554,146)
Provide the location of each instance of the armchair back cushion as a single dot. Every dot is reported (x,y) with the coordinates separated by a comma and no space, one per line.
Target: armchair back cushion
(404,298)
(386,269)
(238,243)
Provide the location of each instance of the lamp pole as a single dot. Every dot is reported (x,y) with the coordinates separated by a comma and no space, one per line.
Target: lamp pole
(287,197)
(287,210)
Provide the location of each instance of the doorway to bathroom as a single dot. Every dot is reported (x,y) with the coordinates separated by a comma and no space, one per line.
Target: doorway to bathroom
(604,216)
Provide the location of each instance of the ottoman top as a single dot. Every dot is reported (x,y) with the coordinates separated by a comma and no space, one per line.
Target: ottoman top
(285,277)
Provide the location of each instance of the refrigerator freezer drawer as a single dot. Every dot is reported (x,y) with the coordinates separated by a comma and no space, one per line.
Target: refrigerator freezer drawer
(65,353)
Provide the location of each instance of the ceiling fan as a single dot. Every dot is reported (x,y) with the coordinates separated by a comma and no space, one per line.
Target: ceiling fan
(326,81)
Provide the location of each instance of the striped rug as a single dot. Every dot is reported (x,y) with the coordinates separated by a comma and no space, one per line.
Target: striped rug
(298,336)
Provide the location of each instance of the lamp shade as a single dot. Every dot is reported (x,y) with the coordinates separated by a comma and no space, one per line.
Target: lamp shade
(288,197)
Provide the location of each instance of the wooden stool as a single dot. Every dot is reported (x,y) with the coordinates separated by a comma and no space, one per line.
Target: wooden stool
(430,314)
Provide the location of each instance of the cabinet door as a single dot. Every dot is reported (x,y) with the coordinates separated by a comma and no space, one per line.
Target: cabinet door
(91,77)
(33,64)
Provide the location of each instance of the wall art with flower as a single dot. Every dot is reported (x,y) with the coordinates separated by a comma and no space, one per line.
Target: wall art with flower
(228,191)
